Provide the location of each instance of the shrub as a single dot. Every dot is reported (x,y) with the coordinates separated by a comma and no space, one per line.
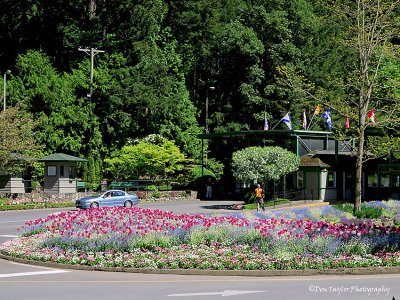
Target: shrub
(368,212)
(151,187)
(165,187)
(157,194)
(184,194)
(249,197)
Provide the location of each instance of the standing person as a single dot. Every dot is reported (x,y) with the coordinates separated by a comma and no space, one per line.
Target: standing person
(209,189)
(259,197)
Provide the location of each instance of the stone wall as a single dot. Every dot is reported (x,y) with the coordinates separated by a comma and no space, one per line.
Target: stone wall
(72,197)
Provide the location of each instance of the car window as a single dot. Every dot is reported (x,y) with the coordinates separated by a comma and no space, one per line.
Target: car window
(119,193)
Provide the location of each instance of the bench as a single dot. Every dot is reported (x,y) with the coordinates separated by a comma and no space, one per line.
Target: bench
(124,185)
(81,185)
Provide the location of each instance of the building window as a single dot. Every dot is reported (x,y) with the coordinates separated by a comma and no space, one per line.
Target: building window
(51,170)
(385,179)
(331,179)
(300,179)
(61,171)
(373,180)
(72,172)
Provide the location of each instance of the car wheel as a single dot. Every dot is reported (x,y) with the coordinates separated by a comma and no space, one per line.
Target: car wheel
(128,204)
(94,205)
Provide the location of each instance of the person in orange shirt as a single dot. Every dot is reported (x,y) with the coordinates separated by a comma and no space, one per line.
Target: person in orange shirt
(259,197)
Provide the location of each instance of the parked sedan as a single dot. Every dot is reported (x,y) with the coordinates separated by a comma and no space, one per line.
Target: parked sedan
(107,199)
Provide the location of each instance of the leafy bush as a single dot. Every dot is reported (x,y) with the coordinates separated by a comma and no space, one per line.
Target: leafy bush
(249,197)
(151,187)
(157,195)
(346,207)
(92,186)
(196,173)
(364,212)
(184,194)
(165,187)
(368,212)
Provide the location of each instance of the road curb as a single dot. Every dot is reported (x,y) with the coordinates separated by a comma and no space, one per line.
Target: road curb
(248,273)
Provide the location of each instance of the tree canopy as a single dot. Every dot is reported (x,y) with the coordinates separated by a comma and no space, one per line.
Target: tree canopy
(18,141)
(161,56)
(146,159)
(259,164)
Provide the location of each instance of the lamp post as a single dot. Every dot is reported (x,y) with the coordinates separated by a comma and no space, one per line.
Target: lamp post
(211,88)
(202,140)
(4,88)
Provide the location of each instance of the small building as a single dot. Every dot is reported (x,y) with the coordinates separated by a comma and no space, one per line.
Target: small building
(60,173)
(13,184)
(326,169)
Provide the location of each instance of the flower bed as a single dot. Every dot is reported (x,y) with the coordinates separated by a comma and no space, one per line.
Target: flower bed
(26,203)
(144,238)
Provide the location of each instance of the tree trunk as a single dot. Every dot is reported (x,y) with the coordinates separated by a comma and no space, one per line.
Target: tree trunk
(92,9)
(360,155)
(359,165)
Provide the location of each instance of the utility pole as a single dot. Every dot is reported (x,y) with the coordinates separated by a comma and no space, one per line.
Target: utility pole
(92,52)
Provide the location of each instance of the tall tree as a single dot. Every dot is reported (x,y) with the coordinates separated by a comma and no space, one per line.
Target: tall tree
(18,141)
(368,30)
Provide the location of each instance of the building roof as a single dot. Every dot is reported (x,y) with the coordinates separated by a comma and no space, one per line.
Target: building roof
(265,134)
(332,152)
(58,157)
(312,161)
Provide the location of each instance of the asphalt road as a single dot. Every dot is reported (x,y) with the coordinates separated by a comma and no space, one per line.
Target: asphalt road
(18,281)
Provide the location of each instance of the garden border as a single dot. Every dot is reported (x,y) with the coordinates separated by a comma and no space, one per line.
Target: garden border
(250,273)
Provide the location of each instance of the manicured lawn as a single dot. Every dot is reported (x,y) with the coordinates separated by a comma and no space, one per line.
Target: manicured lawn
(266,203)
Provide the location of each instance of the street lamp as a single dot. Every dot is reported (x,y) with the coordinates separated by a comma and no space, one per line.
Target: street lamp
(211,88)
(4,88)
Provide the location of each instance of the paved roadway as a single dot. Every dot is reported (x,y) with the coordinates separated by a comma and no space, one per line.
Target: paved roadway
(19,281)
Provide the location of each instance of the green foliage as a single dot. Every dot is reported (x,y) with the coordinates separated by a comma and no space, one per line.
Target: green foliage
(197,172)
(164,187)
(259,164)
(18,141)
(369,212)
(151,187)
(146,159)
(157,195)
(64,119)
(250,197)
(34,206)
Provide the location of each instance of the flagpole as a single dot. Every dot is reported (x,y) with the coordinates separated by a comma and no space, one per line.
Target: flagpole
(309,125)
(276,124)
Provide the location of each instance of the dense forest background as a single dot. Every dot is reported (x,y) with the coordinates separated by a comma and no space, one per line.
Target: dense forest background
(160,58)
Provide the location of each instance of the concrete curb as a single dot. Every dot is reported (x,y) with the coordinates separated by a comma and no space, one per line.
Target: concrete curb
(249,273)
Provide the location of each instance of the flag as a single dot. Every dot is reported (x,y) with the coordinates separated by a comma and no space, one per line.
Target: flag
(347,124)
(266,125)
(304,119)
(371,115)
(288,121)
(316,112)
(327,117)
